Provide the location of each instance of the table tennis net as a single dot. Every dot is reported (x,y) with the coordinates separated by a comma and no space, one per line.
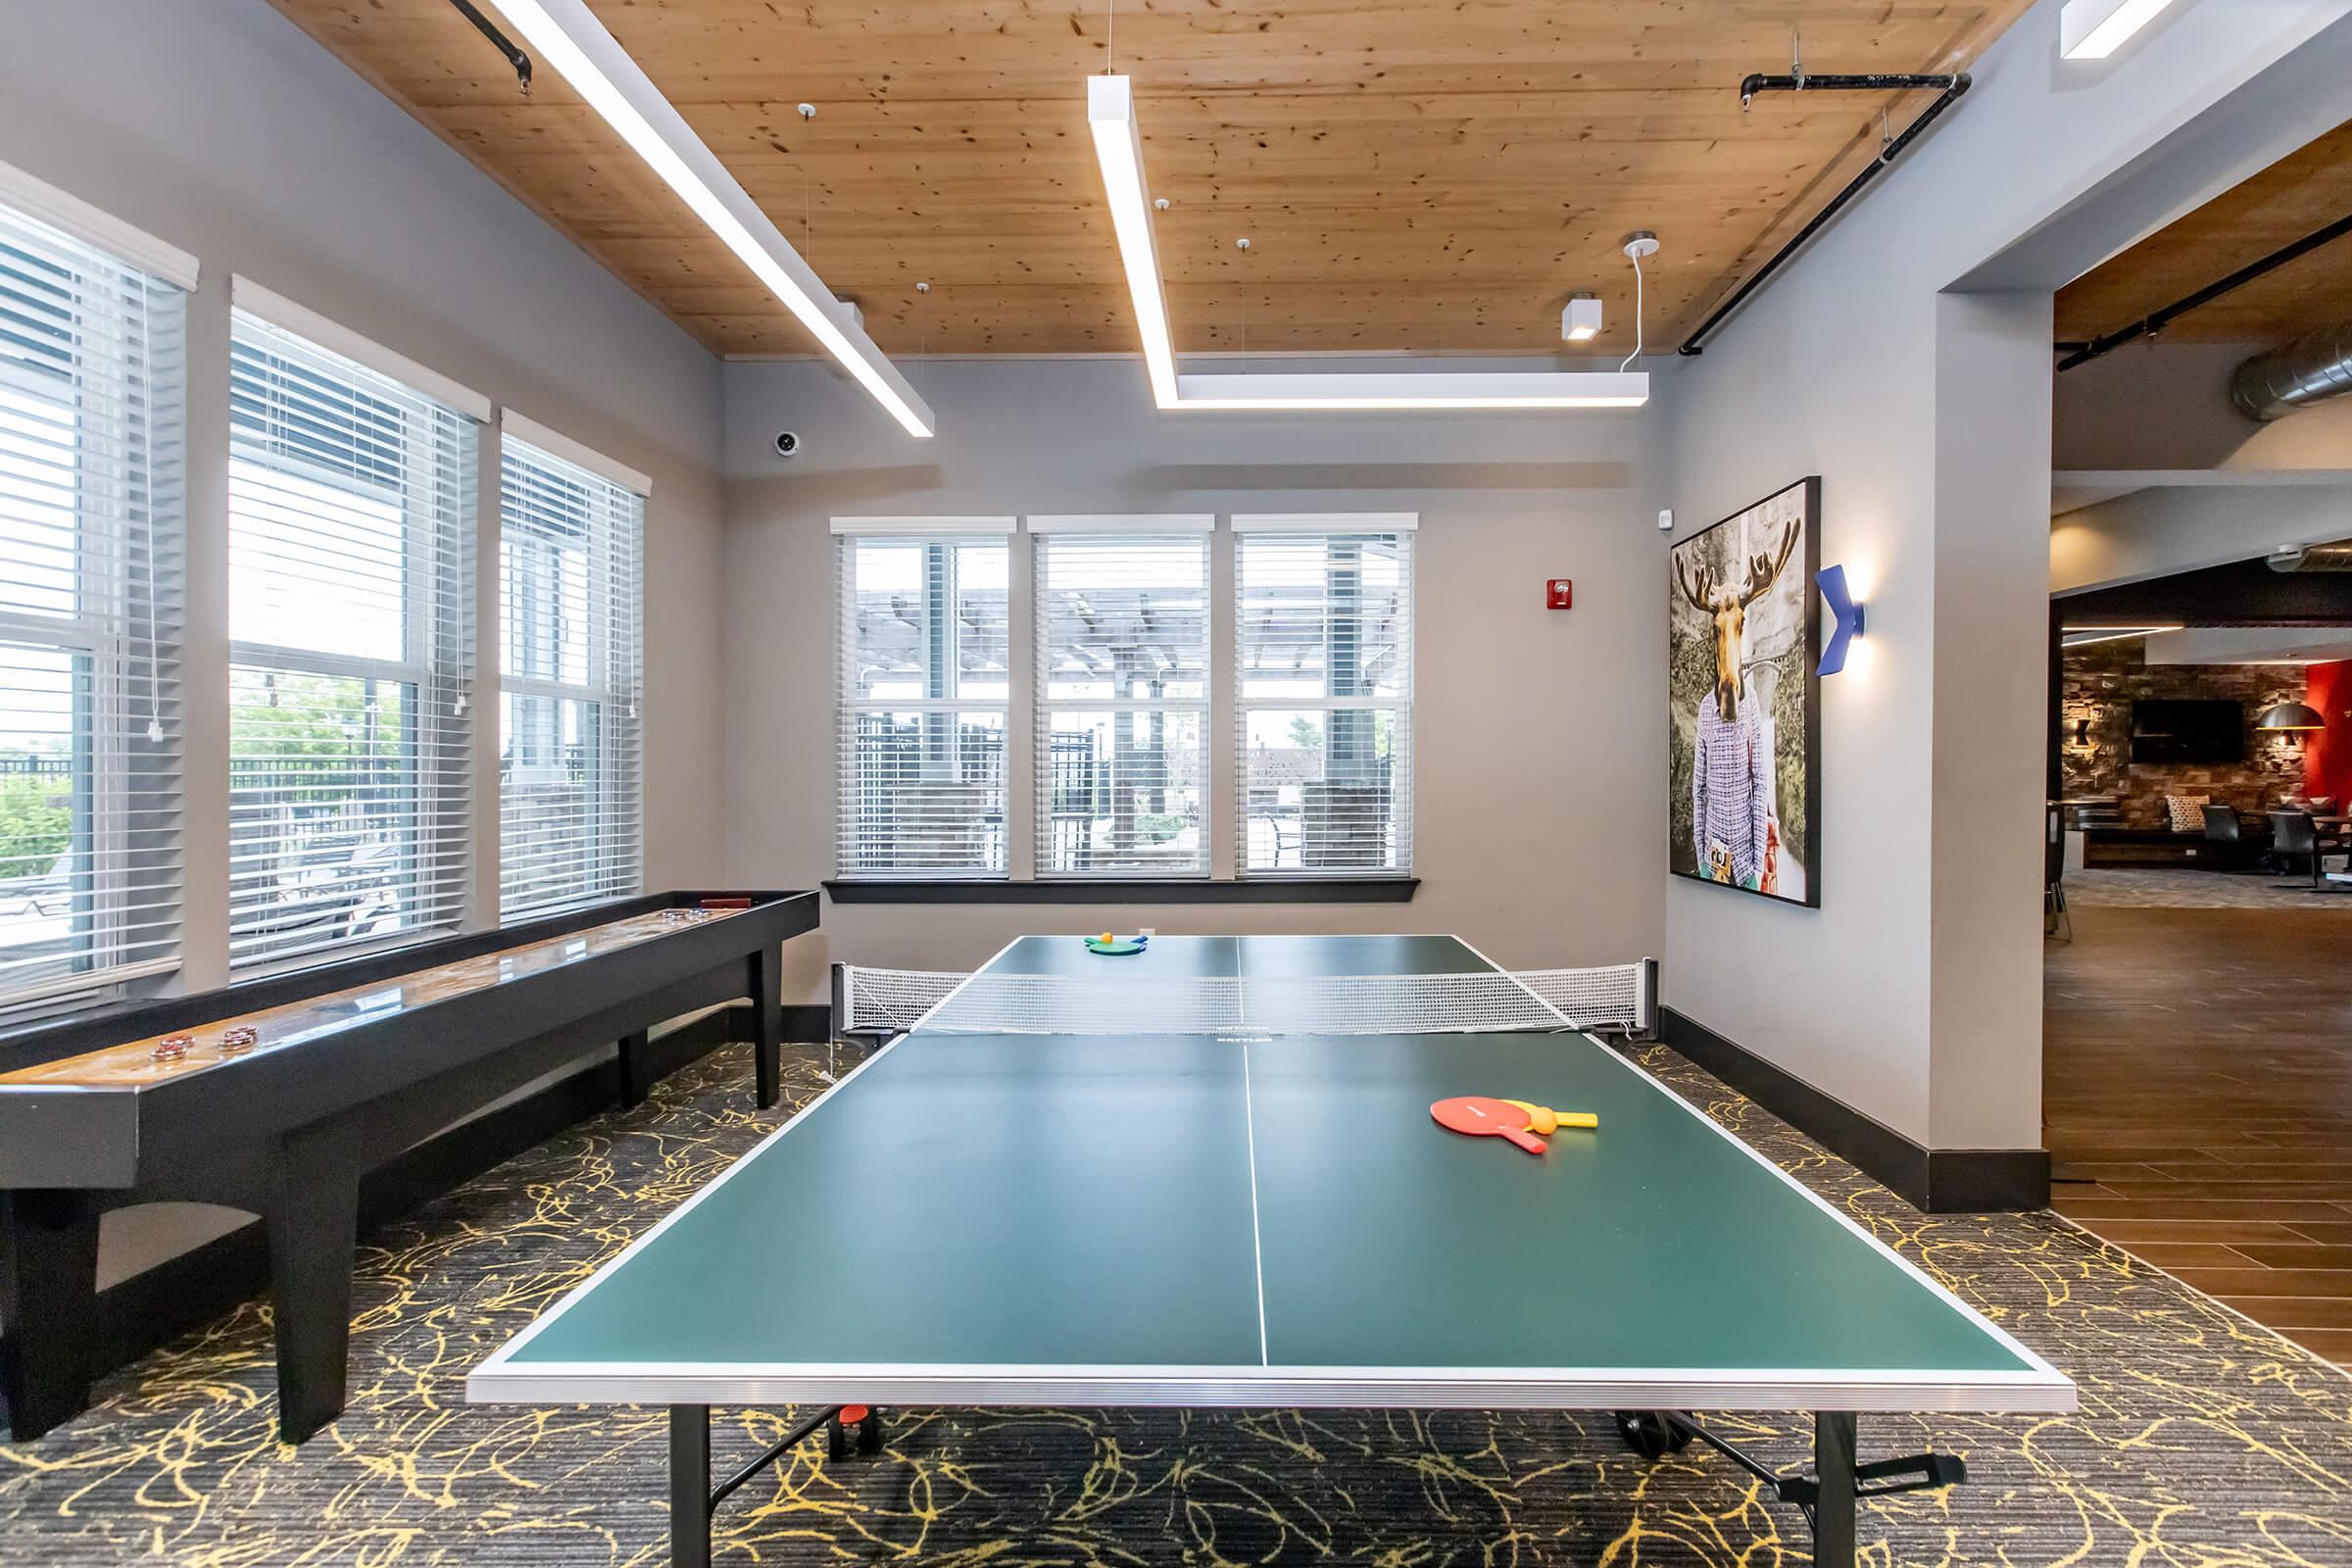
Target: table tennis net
(1621,1000)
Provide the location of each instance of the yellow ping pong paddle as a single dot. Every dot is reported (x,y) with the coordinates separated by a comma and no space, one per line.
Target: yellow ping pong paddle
(1543,1121)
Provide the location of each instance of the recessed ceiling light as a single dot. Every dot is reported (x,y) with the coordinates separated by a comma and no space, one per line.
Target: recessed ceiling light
(570,38)
(2093,30)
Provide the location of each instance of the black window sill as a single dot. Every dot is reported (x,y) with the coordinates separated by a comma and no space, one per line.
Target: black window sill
(1138,890)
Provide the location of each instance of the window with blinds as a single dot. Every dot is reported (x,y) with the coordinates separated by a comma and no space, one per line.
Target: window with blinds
(1122,695)
(90,619)
(1324,631)
(570,588)
(350,578)
(925,683)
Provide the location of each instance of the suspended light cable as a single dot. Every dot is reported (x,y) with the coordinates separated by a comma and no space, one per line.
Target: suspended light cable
(1640,243)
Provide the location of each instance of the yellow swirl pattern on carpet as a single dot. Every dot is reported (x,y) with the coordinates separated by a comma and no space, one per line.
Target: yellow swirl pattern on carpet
(2203,1442)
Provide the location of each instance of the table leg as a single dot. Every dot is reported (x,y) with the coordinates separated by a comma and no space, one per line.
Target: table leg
(313,1222)
(767,1024)
(1834,1470)
(690,1485)
(634,1070)
(48,1299)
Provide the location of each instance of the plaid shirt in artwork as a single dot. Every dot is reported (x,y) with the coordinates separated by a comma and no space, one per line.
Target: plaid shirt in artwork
(1731,793)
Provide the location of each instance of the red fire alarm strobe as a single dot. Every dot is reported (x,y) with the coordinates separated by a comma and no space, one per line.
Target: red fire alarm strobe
(1559,593)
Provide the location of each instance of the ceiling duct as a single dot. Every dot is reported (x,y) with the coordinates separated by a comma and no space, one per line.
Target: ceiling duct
(2336,557)
(2311,369)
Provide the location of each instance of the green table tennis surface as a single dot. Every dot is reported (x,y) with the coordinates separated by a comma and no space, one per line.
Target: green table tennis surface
(1257,1219)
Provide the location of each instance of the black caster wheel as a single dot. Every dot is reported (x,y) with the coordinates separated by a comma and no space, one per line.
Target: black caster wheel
(1649,1433)
(870,1433)
(837,1438)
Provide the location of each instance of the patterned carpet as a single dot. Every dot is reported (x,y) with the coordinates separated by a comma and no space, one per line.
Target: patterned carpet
(2203,1442)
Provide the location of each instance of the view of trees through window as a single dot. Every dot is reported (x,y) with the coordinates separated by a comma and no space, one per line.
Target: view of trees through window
(88,778)
(349,536)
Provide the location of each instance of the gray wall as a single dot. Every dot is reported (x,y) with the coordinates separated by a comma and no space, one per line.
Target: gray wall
(2225,486)
(2164,529)
(1539,736)
(1913,993)
(2168,407)
(221,128)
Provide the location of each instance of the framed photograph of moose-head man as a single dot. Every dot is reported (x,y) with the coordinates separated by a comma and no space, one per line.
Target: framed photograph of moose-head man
(1744,705)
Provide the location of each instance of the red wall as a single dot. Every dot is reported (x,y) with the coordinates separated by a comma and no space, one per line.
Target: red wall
(2327,753)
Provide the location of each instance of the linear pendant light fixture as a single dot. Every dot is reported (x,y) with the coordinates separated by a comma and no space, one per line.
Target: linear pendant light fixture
(570,40)
(1119,149)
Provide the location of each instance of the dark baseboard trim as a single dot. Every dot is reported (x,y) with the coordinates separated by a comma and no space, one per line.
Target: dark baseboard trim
(152,1308)
(1937,1181)
(1133,890)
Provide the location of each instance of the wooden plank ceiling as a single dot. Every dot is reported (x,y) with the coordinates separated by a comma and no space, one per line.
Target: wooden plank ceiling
(2298,195)
(1412,175)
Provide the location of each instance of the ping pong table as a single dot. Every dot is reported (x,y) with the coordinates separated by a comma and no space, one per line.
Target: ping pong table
(1264,1218)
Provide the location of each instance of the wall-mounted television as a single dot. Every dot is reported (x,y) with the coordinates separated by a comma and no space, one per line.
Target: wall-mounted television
(2188,730)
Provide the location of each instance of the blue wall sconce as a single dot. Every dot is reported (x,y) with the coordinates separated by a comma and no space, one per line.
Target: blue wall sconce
(1846,614)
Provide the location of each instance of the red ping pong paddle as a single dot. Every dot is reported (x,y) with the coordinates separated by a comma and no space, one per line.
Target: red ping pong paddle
(1483,1117)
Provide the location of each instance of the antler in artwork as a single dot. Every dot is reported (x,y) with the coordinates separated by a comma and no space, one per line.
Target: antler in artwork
(1698,584)
(1764,571)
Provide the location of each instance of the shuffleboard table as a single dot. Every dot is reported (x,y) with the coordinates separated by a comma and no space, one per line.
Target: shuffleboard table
(278,1095)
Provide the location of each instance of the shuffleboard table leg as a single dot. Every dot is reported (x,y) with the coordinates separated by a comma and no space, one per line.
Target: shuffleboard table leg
(48,1296)
(1834,1505)
(634,1070)
(690,1485)
(767,1024)
(312,1221)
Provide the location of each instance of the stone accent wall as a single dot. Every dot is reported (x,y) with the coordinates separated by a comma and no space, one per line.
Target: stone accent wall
(2101,682)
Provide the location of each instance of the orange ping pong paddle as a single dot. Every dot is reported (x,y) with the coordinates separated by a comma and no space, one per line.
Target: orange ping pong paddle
(1483,1117)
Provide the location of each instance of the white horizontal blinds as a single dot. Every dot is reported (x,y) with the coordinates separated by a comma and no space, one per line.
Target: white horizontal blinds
(1325,669)
(90,619)
(568,759)
(351,629)
(1122,696)
(925,683)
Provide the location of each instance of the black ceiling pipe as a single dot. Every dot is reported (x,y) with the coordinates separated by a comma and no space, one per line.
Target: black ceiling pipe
(2156,320)
(1948,90)
(498,40)
(1758,82)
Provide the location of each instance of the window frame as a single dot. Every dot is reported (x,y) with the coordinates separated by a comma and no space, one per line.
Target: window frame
(614,670)
(1403,526)
(439,568)
(1141,529)
(850,534)
(115,285)
(1224,874)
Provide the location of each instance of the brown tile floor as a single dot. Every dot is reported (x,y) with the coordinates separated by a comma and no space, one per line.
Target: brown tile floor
(2197,1090)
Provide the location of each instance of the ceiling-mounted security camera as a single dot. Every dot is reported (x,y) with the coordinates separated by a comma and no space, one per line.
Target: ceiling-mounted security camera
(788,445)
